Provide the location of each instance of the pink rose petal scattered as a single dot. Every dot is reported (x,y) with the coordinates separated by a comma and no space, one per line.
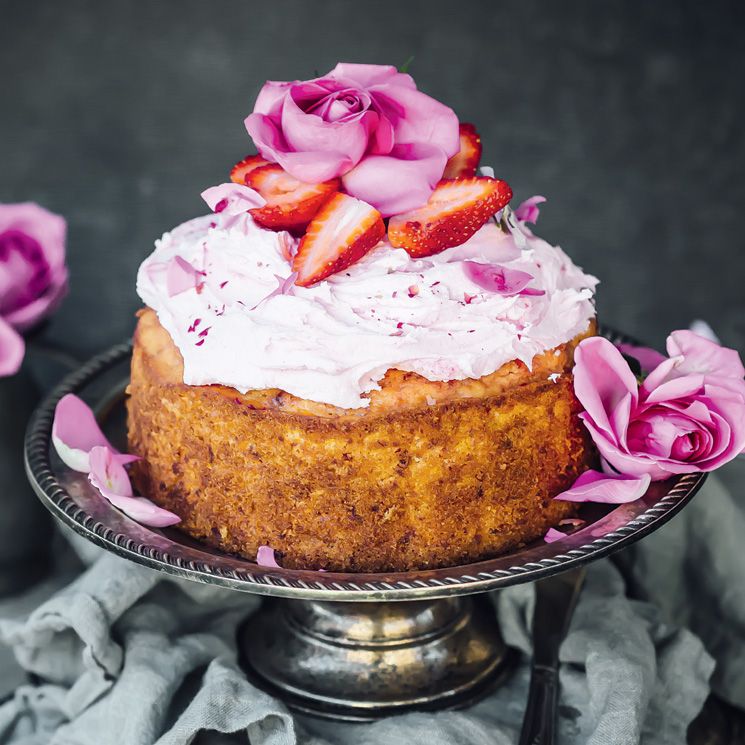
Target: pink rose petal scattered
(234,201)
(181,276)
(75,432)
(593,486)
(12,349)
(500,279)
(553,535)
(528,210)
(285,286)
(111,479)
(265,557)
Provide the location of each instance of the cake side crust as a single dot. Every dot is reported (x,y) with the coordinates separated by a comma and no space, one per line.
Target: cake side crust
(420,487)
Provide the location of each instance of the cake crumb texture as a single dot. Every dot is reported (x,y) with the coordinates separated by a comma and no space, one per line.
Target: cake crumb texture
(396,488)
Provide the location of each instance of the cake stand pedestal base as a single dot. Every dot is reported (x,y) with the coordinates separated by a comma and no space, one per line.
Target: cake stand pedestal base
(359,661)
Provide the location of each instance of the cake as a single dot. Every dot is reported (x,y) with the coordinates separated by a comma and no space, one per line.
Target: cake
(356,395)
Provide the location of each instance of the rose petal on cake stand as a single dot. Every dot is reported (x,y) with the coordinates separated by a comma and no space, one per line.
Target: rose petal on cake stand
(75,432)
(594,486)
(109,476)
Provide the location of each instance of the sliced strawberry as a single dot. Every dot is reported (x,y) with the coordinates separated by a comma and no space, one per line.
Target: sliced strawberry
(455,211)
(240,170)
(342,232)
(464,163)
(291,204)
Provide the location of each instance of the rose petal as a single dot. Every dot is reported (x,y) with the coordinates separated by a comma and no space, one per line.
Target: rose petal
(75,432)
(553,535)
(499,279)
(528,210)
(112,481)
(700,355)
(368,75)
(647,357)
(48,230)
(309,133)
(285,286)
(593,486)
(602,380)
(180,276)
(398,182)
(232,199)
(418,118)
(12,349)
(671,389)
(311,167)
(265,557)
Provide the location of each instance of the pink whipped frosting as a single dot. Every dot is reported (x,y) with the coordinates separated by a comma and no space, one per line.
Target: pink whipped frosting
(239,324)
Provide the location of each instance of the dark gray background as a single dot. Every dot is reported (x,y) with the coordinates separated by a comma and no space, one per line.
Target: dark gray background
(627,115)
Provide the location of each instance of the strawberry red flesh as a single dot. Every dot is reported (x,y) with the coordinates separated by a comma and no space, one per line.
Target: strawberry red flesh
(291,204)
(465,162)
(454,212)
(342,232)
(240,170)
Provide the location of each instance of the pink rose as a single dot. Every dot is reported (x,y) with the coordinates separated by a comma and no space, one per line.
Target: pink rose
(688,415)
(33,277)
(366,123)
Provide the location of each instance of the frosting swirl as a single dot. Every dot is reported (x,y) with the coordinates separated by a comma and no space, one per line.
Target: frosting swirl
(240,323)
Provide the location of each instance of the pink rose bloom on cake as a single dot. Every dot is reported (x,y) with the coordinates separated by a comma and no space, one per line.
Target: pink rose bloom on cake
(367,124)
(687,416)
(33,276)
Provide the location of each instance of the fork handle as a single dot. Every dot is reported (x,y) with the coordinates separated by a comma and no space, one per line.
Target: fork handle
(539,722)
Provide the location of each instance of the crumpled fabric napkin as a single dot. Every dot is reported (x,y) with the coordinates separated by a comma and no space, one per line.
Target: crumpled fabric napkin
(128,656)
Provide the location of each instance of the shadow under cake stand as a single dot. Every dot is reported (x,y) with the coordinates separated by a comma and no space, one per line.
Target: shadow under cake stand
(343,645)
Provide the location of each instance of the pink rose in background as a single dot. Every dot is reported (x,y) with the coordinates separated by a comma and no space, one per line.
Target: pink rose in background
(366,123)
(33,276)
(688,415)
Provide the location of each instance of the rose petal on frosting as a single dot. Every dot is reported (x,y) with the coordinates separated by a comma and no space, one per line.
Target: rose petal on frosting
(400,181)
(75,432)
(285,286)
(180,276)
(499,279)
(112,481)
(553,535)
(594,486)
(528,210)
(701,355)
(12,349)
(232,199)
(265,557)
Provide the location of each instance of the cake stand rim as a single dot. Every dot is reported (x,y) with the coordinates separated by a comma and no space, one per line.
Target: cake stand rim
(240,574)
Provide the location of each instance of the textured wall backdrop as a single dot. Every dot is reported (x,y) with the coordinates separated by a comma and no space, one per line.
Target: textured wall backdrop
(627,115)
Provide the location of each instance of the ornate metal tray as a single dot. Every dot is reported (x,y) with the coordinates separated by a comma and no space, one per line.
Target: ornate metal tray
(102,383)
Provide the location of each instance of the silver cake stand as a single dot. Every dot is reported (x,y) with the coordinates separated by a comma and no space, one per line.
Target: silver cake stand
(342,645)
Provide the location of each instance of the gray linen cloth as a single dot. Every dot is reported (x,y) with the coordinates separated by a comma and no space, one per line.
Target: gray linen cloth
(124,655)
